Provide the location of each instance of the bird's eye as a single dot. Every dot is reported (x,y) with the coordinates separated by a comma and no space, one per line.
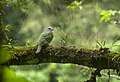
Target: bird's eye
(49,28)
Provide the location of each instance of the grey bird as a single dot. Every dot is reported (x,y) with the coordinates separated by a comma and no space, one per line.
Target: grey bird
(45,38)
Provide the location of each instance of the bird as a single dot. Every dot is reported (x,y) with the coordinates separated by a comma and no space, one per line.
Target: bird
(45,38)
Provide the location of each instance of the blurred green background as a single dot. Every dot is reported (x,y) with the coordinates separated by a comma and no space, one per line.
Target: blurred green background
(72,27)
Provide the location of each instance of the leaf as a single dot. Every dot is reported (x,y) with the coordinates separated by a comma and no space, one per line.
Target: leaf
(74,5)
(5,55)
(10,76)
(103,42)
(25,8)
(107,15)
(7,28)
(97,46)
(98,43)
(102,18)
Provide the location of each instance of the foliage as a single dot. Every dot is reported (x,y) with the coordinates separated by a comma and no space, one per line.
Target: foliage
(75,4)
(6,75)
(108,15)
(4,55)
(63,73)
(10,76)
(101,44)
(60,70)
(24,20)
(15,3)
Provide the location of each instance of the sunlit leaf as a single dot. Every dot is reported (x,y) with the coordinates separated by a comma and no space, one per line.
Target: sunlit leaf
(107,15)
(103,42)
(7,28)
(75,4)
(98,43)
(10,76)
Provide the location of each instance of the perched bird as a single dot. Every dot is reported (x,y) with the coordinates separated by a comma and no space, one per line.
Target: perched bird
(45,38)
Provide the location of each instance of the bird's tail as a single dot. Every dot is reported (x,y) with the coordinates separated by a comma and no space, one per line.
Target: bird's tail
(38,49)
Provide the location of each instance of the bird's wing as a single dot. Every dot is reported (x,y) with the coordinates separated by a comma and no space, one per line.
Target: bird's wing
(49,37)
(45,38)
(42,40)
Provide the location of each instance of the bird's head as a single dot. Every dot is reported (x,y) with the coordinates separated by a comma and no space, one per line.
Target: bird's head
(49,29)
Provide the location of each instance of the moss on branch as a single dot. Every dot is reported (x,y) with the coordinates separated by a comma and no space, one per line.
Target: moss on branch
(21,55)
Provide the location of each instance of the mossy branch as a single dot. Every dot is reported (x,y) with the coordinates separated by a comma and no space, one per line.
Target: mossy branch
(101,58)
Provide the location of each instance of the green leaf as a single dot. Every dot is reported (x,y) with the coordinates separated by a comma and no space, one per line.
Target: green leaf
(103,42)
(25,8)
(10,76)
(98,43)
(5,55)
(74,5)
(107,15)
(7,27)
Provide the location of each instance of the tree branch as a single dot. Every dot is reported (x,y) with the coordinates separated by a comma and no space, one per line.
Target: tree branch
(101,59)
